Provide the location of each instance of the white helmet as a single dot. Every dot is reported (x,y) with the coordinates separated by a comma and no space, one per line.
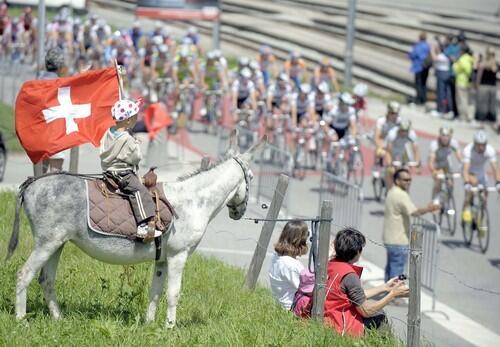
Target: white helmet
(254,65)
(157,40)
(393,107)
(360,89)
(246,73)
(305,88)
(192,30)
(324,88)
(480,138)
(185,51)
(346,98)
(244,61)
(283,77)
(163,48)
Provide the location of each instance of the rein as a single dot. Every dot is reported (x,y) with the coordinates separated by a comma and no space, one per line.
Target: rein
(247,182)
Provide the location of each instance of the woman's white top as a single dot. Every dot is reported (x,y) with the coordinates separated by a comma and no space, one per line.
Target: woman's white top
(442,63)
(284,278)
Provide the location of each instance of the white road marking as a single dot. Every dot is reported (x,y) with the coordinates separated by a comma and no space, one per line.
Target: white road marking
(456,322)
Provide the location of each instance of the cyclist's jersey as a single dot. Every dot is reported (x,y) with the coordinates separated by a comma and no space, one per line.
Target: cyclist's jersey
(325,75)
(442,153)
(477,161)
(27,22)
(243,90)
(279,92)
(4,24)
(159,63)
(295,69)
(320,102)
(211,75)
(340,120)
(385,126)
(303,103)
(265,61)
(184,69)
(399,144)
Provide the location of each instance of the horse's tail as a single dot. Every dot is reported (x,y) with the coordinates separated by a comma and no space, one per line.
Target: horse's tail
(14,238)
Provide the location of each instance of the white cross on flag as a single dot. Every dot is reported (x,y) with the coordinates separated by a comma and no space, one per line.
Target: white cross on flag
(54,115)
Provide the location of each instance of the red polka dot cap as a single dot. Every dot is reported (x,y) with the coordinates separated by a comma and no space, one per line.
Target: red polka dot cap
(124,109)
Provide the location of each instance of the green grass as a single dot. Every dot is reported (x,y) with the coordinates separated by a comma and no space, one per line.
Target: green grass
(8,130)
(104,305)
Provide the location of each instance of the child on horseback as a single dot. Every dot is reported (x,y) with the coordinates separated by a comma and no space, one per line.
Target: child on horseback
(120,155)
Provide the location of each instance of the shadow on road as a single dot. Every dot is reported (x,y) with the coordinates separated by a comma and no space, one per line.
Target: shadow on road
(495,263)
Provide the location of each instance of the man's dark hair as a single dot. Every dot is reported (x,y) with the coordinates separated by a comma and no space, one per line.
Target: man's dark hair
(54,59)
(398,172)
(349,242)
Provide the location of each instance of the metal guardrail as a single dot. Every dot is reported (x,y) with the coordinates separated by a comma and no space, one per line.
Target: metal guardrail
(430,254)
(347,200)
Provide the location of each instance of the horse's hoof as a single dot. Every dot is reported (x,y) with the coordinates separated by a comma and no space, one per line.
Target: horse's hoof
(170,325)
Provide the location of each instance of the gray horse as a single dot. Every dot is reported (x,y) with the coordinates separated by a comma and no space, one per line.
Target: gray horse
(56,207)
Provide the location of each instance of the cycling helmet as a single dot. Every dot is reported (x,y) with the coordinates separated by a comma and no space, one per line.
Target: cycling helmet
(211,55)
(445,131)
(187,41)
(360,90)
(405,125)
(136,24)
(184,51)
(192,30)
(265,49)
(254,65)
(325,62)
(324,88)
(157,40)
(345,98)
(217,53)
(480,138)
(246,73)
(305,88)
(244,61)
(294,55)
(393,107)
(283,77)
(166,32)
(163,48)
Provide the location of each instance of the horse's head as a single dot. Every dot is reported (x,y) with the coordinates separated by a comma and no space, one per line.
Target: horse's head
(237,204)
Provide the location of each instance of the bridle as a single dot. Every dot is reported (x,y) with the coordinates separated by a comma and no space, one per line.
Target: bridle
(234,207)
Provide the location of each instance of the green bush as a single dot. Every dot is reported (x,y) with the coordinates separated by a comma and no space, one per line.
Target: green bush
(104,305)
(8,130)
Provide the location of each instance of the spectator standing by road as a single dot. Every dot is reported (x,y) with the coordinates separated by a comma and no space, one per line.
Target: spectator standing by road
(442,70)
(284,273)
(452,51)
(55,68)
(347,309)
(486,83)
(463,72)
(420,64)
(398,210)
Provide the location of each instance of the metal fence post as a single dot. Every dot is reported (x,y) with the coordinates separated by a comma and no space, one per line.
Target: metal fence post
(413,334)
(320,268)
(266,233)
(205,161)
(74,156)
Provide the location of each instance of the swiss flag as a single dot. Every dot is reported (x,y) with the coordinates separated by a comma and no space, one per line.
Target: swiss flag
(55,115)
(156,118)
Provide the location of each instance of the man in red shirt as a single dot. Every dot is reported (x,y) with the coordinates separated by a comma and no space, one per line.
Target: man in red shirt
(346,306)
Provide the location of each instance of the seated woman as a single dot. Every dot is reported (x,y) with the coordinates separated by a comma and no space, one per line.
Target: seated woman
(346,306)
(284,273)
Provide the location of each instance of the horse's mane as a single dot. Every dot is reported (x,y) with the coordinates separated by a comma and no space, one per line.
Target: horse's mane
(200,170)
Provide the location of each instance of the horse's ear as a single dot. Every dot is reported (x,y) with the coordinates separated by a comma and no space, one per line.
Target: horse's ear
(233,148)
(248,155)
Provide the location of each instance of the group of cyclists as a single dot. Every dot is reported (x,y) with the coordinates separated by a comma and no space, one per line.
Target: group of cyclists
(302,110)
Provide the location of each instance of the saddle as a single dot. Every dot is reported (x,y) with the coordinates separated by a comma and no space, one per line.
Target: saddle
(110,213)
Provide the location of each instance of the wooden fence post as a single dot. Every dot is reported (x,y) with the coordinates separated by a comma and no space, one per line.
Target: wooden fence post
(205,161)
(74,156)
(319,293)
(266,233)
(415,279)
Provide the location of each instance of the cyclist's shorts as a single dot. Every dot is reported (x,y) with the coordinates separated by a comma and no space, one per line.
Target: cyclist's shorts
(481,179)
(340,132)
(242,101)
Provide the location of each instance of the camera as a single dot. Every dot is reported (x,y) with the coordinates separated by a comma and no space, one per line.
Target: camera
(402,277)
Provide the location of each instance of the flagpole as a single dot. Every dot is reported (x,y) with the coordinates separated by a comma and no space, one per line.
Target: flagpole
(120,80)
(38,167)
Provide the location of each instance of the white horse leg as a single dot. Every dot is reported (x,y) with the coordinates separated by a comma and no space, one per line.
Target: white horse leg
(47,281)
(156,289)
(175,269)
(36,260)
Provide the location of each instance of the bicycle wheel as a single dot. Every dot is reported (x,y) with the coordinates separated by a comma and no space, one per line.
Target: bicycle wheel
(450,212)
(356,168)
(483,228)
(467,230)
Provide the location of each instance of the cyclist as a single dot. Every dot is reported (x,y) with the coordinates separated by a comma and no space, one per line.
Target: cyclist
(212,79)
(295,68)
(439,156)
(278,90)
(475,157)
(382,128)
(325,72)
(243,89)
(266,61)
(184,70)
(322,99)
(4,29)
(342,118)
(303,104)
(257,78)
(398,141)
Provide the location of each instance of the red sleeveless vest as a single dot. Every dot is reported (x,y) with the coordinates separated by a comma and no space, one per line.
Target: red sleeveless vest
(341,313)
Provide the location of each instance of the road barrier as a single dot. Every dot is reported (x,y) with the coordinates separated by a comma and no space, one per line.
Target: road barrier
(430,253)
(347,200)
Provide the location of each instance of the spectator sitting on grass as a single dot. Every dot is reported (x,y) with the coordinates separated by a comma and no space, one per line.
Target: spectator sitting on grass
(346,307)
(284,273)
